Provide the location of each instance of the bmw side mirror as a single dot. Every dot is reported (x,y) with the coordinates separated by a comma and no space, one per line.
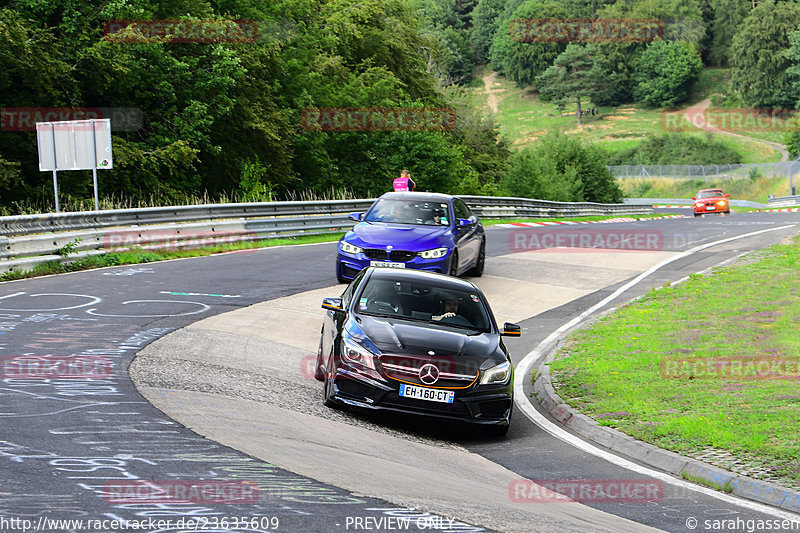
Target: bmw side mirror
(332,304)
(463,222)
(727,196)
(693,198)
(511,330)
(355,216)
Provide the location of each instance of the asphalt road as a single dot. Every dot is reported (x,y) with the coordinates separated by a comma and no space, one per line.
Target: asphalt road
(69,446)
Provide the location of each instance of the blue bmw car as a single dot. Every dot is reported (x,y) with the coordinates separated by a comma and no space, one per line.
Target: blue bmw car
(424,231)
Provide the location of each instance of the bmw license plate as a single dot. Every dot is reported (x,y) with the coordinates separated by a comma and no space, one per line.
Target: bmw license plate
(709,208)
(421,393)
(389,264)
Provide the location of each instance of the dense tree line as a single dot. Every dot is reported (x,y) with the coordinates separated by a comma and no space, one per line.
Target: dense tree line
(226,118)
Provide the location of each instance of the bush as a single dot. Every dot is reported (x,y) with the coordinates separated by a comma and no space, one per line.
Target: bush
(665,74)
(562,168)
(677,149)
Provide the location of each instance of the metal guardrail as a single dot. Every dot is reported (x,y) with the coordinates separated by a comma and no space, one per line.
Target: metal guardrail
(688,202)
(29,240)
(784,201)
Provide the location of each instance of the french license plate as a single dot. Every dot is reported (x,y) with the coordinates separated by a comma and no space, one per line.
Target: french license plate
(421,393)
(389,264)
(710,208)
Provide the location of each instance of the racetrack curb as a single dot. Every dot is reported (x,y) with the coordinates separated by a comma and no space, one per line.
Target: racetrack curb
(653,456)
(571,223)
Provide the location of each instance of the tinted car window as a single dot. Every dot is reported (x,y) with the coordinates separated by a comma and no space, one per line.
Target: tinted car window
(709,194)
(461,209)
(409,212)
(424,301)
(347,295)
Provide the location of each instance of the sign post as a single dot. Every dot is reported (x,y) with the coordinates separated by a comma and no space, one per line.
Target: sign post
(75,145)
(55,172)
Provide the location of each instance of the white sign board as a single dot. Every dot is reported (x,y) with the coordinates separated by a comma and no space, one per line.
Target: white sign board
(74,145)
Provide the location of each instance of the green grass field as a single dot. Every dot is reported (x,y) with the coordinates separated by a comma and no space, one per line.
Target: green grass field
(522,118)
(757,190)
(712,363)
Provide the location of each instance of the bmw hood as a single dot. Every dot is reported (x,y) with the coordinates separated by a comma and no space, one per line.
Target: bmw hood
(414,238)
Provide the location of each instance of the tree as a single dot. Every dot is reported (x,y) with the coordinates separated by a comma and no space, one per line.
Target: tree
(484,27)
(665,74)
(518,58)
(728,16)
(682,20)
(758,60)
(575,77)
(562,168)
(792,138)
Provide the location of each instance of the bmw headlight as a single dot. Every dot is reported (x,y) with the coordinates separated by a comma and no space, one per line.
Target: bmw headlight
(436,253)
(355,353)
(721,202)
(497,374)
(348,248)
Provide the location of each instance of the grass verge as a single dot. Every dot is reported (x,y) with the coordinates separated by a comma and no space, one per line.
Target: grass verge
(682,368)
(137,256)
(724,487)
(754,190)
(589,218)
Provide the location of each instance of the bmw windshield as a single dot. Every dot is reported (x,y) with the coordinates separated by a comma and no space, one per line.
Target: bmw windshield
(710,194)
(409,212)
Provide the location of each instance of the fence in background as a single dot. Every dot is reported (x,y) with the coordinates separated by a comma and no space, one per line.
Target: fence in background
(29,240)
(786,169)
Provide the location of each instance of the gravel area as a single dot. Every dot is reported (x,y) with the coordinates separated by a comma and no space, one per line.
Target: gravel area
(152,368)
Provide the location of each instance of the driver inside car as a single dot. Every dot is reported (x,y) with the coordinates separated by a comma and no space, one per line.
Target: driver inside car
(450,314)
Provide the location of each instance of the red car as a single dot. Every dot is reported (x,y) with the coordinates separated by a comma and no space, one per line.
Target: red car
(711,201)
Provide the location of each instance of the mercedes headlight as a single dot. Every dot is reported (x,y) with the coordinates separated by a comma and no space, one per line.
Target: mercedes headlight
(349,248)
(355,353)
(497,374)
(436,253)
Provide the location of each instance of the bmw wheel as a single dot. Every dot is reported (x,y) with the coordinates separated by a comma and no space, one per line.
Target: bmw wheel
(477,270)
(454,264)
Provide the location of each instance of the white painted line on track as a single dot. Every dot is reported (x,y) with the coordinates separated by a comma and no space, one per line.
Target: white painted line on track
(524,367)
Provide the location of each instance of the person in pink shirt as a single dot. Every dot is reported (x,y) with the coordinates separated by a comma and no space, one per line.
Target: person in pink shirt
(404,182)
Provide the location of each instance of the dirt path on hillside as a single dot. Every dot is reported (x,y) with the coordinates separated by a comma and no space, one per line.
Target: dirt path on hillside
(491,96)
(696,116)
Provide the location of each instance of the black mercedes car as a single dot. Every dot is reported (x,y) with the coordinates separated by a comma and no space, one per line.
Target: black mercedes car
(416,342)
